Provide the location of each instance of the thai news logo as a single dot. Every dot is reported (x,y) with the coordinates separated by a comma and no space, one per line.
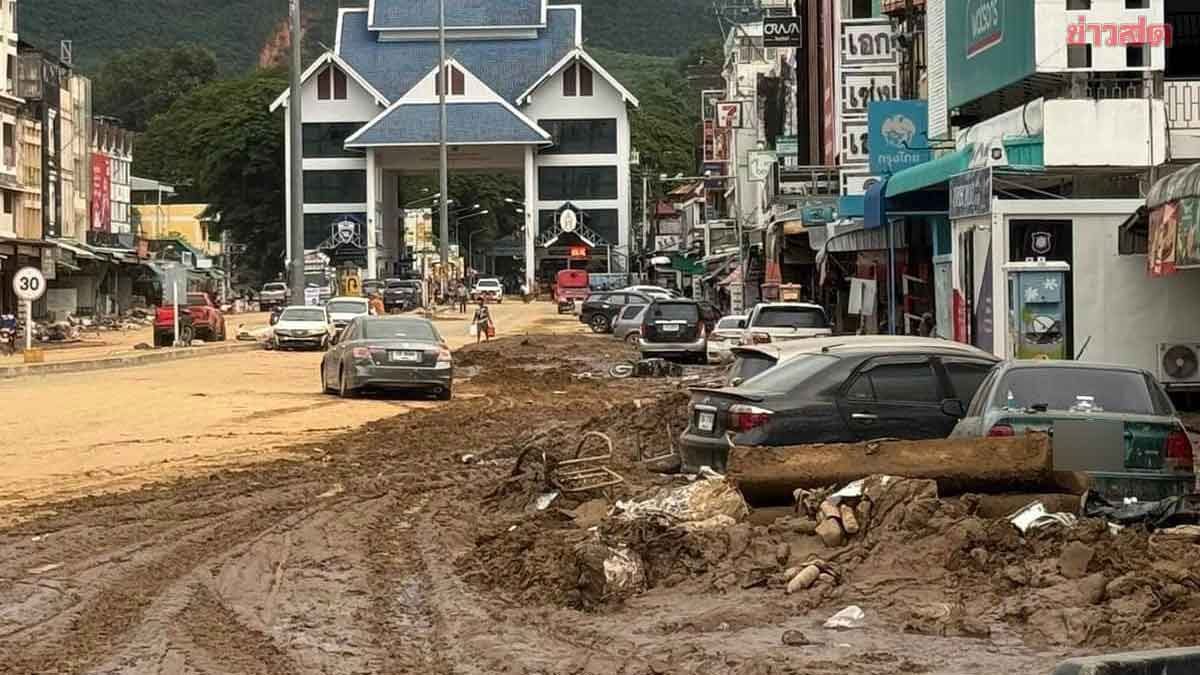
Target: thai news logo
(1113,34)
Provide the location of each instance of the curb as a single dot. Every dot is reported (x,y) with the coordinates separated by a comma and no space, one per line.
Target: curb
(1183,660)
(128,361)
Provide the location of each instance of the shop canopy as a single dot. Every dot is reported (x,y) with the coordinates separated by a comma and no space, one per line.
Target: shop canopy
(933,172)
(1179,185)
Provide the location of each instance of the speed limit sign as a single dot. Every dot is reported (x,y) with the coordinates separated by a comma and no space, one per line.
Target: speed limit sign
(29,284)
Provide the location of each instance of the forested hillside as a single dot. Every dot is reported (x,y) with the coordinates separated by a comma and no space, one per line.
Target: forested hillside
(238,31)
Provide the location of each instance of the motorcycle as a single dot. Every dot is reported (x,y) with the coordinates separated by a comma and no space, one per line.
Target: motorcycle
(8,334)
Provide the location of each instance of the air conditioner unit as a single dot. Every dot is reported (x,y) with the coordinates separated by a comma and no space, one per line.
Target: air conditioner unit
(1179,362)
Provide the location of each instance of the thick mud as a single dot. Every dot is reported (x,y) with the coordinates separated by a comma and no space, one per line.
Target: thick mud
(415,545)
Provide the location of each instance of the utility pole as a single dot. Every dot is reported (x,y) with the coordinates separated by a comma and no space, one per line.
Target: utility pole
(296,243)
(443,83)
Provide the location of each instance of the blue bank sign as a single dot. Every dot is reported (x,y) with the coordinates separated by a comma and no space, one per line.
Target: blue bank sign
(898,135)
(985,26)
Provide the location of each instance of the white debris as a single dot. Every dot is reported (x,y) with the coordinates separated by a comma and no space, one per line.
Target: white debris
(847,619)
(1034,516)
(696,502)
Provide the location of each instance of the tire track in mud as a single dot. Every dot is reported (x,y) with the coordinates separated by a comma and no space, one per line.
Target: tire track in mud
(230,644)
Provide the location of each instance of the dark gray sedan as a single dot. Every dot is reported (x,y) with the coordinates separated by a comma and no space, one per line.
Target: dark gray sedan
(388,352)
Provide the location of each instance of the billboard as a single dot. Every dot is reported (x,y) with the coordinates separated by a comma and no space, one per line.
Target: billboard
(898,135)
(989,46)
(101,194)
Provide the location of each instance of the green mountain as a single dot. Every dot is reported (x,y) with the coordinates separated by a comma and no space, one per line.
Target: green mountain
(243,33)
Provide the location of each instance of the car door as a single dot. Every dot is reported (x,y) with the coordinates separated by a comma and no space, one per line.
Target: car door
(337,355)
(895,397)
(629,320)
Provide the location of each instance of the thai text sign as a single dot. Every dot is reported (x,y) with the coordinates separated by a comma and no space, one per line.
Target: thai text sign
(971,194)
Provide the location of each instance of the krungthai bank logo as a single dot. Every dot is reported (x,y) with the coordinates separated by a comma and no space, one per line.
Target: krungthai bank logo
(899,131)
(1113,34)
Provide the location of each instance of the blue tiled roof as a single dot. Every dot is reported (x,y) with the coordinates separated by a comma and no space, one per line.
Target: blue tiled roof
(459,13)
(466,123)
(509,67)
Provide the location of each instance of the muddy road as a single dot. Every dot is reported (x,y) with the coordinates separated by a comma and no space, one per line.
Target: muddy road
(387,550)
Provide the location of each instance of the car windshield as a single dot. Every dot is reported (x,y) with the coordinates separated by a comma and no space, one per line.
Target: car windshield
(729,323)
(751,364)
(397,283)
(790,317)
(197,301)
(399,329)
(492,283)
(347,307)
(1075,390)
(303,314)
(676,311)
(787,375)
(275,287)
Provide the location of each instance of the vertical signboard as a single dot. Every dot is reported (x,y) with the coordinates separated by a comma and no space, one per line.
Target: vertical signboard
(51,150)
(101,194)
(989,45)
(868,72)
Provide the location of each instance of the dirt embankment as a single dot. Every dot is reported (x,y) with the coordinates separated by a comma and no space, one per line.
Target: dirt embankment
(415,545)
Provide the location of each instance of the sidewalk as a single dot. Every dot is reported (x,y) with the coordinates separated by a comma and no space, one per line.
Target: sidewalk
(118,349)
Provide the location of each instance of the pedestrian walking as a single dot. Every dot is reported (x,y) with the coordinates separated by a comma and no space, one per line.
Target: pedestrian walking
(461,292)
(483,322)
(376,305)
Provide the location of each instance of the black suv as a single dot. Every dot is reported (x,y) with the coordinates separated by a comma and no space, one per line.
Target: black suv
(837,394)
(401,294)
(601,309)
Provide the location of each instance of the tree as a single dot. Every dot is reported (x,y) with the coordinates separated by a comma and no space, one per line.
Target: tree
(223,140)
(138,85)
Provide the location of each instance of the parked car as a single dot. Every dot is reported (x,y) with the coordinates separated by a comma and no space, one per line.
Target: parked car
(303,326)
(780,321)
(836,394)
(201,319)
(346,309)
(274,294)
(388,352)
(652,291)
(372,286)
(725,334)
(674,329)
(1115,423)
(489,289)
(752,360)
(402,295)
(628,324)
(600,310)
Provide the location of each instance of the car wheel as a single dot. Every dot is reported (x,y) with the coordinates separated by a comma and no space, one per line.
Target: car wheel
(344,389)
(632,337)
(600,324)
(186,335)
(221,335)
(325,388)
(445,394)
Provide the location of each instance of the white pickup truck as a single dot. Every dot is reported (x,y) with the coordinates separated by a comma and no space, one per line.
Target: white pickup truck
(782,321)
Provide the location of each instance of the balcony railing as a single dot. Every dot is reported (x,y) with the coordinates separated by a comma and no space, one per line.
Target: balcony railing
(1183,104)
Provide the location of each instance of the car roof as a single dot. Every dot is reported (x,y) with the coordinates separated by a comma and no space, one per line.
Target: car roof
(674,301)
(1024,364)
(347,298)
(304,307)
(850,343)
(797,305)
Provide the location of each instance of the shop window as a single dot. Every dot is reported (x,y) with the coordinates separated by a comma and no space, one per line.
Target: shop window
(8,203)
(1079,56)
(581,137)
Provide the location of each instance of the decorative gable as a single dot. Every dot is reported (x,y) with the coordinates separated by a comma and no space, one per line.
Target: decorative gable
(460,14)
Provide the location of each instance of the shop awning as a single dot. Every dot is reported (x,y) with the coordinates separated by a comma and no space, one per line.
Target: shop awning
(846,236)
(79,251)
(1179,185)
(930,173)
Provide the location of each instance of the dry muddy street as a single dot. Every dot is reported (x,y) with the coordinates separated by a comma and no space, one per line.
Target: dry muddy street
(387,550)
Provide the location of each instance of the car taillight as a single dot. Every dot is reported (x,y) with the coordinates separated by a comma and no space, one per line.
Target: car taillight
(760,338)
(1179,451)
(361,353)
(1002,431)
(747,417)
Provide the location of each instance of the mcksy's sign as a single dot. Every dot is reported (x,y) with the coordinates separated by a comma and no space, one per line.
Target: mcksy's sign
(985,27)
(786,31)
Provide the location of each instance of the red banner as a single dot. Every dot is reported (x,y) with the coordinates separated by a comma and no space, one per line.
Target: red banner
(101,194)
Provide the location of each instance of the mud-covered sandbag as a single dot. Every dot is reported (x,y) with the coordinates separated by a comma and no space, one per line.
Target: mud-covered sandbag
(701,500)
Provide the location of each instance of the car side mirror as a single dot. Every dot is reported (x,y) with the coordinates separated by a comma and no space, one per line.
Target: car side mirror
(953,407)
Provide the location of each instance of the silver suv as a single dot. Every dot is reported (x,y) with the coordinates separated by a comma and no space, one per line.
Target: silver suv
(674,329)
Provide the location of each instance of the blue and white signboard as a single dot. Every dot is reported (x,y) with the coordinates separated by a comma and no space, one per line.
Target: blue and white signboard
(898,135)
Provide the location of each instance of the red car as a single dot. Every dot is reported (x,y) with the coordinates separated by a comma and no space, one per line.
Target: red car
(571,285)
(200,319)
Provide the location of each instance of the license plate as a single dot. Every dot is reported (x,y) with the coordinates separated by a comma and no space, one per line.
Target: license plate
(670,328)
(405,357)
(705,421)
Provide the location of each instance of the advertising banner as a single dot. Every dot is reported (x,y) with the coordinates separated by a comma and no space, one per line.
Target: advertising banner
(989,46)
(868,42)
(1164,239)
(971,194)
(1187,248)
(898,135)
(783,31)
(101,194)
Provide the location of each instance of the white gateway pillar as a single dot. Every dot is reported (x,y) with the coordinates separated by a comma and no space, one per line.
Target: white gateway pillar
(373,215)
(531,220)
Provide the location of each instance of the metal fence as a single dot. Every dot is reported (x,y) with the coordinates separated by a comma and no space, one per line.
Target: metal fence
(1183,104)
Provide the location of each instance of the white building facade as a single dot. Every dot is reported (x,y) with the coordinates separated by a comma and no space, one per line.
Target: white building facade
(523,97)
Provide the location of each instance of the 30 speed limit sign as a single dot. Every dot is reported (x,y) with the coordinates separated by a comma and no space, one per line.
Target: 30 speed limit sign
(29,284)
